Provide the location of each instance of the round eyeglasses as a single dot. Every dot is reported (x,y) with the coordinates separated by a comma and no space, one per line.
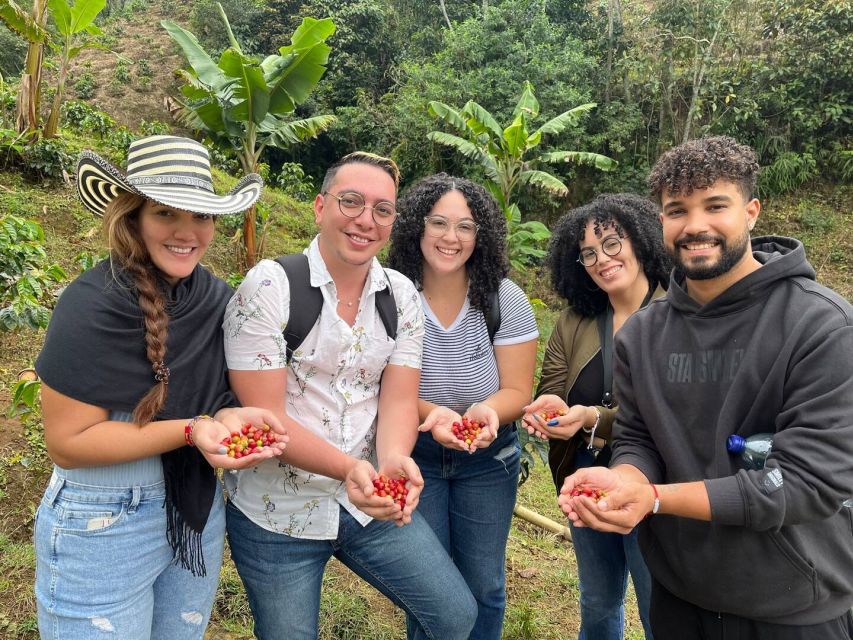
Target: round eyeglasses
(610,247)
(352,205)
(437,226)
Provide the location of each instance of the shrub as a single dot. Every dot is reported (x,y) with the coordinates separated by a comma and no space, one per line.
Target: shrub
(26,280)
(81,116)
(122,71)
(293,181)
(47,158)
(143,68)
(85,86)
(154,128)
(788,172)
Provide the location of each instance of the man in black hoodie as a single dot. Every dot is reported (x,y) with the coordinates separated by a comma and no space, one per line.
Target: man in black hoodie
(745,342)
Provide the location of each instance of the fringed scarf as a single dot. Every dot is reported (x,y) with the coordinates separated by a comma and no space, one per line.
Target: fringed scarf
(94,352)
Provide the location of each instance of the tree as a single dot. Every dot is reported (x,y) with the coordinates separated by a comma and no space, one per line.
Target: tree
(504,154)
(71,23)
(243,103)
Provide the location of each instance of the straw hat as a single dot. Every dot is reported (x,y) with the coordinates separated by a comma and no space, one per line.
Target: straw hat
(167,169)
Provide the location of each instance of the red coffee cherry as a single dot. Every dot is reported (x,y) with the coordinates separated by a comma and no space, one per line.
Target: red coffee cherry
(589,492)
(248,440)
(467,430)
(394,488)
(550,415)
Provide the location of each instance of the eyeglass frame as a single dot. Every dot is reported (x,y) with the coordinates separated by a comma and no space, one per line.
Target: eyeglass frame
(364,206)
(616,239)
(454,225)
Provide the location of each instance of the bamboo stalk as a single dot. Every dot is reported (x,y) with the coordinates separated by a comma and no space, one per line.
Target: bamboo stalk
(542,521)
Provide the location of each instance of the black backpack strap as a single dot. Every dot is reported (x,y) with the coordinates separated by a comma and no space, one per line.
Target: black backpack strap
(605,335)
(386,305)
(306,301)
(493,317)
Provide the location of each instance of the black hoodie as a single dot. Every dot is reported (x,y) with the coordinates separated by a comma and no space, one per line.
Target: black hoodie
(773,353)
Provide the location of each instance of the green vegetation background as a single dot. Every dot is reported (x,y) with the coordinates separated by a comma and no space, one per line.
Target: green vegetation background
(776,74)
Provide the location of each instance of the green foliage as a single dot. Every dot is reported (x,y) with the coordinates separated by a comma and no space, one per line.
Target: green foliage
(788,172)
(25,397)
(143,68)
(13,49)
(85,86)
(293,181)
(154,128)
(77,31)
(47,158)
(531,448)
(26,278)
(502,151)
(815,219)
(119,141)
(82,117)
(121,74)
(246,18)
(85,260)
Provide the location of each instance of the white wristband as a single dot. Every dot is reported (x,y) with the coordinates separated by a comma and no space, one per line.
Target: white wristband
(591,430)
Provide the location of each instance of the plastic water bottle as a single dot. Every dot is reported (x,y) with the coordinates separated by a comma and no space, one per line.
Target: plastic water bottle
(753,451)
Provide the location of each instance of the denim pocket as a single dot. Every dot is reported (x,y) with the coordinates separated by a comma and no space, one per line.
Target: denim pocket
(88,518)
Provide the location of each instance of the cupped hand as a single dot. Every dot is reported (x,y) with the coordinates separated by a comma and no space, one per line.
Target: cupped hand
(439,422)
(209,433)
(534,414)
(360,490)
(487,416)
(622,507)
(399,465)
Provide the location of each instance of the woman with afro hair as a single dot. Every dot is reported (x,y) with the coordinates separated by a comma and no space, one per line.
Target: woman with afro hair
(607,260)
(450,239)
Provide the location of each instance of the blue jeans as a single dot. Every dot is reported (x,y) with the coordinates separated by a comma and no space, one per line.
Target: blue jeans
(105,570)
(468,501)
(604,562)
(283,575)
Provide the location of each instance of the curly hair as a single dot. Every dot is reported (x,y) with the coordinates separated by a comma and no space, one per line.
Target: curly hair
(698,164)
(633,217)
(488,264)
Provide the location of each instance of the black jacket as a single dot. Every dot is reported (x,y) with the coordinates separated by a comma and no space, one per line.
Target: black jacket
(773,353)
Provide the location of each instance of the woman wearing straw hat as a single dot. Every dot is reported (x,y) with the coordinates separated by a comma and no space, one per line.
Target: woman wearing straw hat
(129,534)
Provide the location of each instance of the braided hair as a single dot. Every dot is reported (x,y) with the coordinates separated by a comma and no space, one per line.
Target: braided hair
(121,228)
(488,264)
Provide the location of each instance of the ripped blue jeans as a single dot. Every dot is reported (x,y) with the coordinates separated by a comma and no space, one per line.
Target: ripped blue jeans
(468,501)
(104,568)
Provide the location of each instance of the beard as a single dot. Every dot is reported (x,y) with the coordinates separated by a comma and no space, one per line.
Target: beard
(704,268)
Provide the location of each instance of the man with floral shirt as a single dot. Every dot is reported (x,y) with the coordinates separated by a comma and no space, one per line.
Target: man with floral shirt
(288,516)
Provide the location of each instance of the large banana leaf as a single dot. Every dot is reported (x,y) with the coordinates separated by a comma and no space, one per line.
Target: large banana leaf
(515,137)
(19,21)
(556,125)
(580,157)
(249,90)
(463,146)
(481,121)
(286,134)
(527,103)
(83,13)
(543,180)
(206,70)
(450,115)
(294,74)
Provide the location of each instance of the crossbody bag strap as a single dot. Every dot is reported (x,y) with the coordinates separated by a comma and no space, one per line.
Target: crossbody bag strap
(605,335)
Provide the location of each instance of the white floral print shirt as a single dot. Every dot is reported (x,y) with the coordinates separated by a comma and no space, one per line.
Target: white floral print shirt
(332,386)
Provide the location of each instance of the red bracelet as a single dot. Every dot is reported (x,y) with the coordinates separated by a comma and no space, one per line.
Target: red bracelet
(188,430)
(656,506)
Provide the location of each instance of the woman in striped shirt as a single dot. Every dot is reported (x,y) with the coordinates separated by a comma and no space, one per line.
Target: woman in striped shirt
(450,240)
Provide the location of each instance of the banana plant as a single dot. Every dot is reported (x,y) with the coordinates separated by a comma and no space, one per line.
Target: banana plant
(32,27)
(77,31)
(243,103)
(504,153)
